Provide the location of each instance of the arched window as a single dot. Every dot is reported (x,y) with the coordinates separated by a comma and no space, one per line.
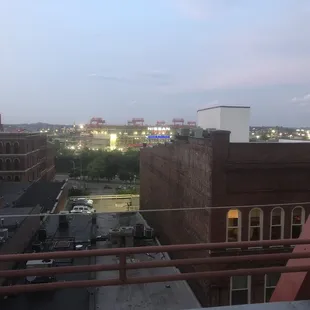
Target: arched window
(297,221)
(1,164)
(1,147)
(8,148)
(233,225)
(256,225)
(8,164)
(16,178)
(16,147)
(16,164)
(277,224)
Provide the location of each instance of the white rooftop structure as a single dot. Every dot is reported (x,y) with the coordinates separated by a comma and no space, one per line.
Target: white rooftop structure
(235,119)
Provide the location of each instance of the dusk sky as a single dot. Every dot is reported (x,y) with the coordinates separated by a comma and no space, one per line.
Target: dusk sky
(69,60)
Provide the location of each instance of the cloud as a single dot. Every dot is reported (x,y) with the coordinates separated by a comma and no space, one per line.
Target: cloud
(109,78)
(303,100)
(156,77)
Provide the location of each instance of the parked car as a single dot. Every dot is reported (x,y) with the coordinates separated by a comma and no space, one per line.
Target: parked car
(84,202)
(82,210)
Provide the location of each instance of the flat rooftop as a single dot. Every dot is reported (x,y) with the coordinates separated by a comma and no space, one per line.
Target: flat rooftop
(153,296)
(80,228)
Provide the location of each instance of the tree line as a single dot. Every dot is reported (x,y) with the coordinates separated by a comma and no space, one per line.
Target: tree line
(97,165)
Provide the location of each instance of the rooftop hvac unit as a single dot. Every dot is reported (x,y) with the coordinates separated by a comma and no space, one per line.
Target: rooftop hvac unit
(149,233)
(139,231)
(37,247)
(197,133)
(4,234)
(42,235)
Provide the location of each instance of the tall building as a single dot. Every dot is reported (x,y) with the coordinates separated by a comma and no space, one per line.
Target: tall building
(245,192)
(26,157)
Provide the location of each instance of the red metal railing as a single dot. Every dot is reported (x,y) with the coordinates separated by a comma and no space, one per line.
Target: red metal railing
(123,266)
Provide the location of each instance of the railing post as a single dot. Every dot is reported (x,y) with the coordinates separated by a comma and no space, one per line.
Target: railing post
(122,268)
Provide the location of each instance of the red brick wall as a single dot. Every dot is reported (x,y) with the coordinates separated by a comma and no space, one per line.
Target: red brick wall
(214,172)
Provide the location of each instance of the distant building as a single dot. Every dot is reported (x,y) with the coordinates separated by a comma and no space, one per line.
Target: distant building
(235,119)
(293,141)
(26,157)
(246,192)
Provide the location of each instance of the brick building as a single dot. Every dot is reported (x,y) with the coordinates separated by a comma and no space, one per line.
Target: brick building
(26,157)
(253,191)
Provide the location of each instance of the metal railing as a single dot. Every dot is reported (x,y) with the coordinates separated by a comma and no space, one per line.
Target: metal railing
(123,265)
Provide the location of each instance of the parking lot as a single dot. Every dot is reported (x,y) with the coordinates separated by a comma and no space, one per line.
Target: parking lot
(113,204)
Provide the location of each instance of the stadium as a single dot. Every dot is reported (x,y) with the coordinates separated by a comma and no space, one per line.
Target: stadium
(98,134)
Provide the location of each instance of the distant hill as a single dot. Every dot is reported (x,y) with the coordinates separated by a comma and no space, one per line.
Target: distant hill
(33,126)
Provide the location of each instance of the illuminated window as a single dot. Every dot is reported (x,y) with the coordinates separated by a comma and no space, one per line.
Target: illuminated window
(277,224)
(271,281)
(233,225)
(240,290)
(256,225)
(297,221)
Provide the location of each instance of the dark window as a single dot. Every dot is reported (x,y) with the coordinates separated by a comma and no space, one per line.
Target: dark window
(8,148)
(1,147)
(298,219)
(9,178)
(277,222)
(1,164)
(16,164)
(255,225)
(239,290)
(16,148)
(8,164)
(271,281)
(16,178)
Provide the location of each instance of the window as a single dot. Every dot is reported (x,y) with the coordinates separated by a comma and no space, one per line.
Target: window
(271,281)
(1,147)
(8,148)
(233,226)
(255,225)
(277,224)
(1,164)
(297,221)
(16,164)
(8,164)
(16,147)
(240,290)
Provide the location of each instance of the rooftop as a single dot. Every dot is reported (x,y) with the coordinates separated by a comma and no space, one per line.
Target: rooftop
(226,107)
(174,295)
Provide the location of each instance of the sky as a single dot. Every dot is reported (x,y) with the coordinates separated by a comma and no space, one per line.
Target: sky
(66,61)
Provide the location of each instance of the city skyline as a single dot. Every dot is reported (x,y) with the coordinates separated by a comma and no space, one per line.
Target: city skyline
(64,61)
